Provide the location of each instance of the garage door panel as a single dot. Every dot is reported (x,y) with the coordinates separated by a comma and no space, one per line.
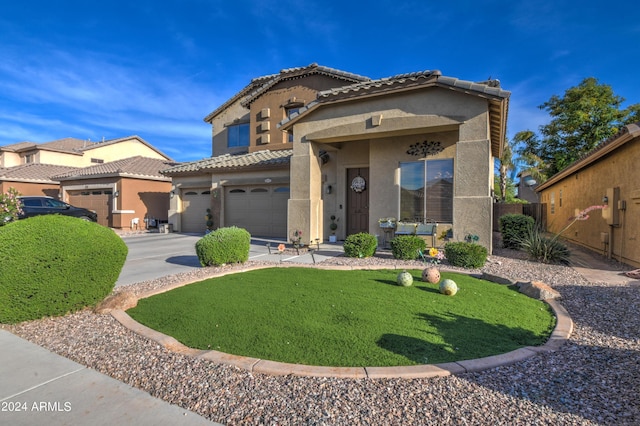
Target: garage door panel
(97,200)
(261,210)
(195,203)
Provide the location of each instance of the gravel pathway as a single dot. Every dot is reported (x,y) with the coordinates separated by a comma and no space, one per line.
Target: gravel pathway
(593,379)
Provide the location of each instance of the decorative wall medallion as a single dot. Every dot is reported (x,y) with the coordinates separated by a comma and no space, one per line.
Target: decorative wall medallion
(424,149)
(358,184)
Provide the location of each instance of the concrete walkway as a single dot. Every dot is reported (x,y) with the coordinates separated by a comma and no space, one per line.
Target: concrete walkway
(38,387)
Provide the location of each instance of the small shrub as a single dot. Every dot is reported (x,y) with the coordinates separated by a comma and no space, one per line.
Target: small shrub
(360,245)
(54,264)
(543,249)
(513,227)
(224,245)
(406,247)
(466,255)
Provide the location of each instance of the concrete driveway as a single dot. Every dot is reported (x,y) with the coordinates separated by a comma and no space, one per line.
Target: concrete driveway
(155,255)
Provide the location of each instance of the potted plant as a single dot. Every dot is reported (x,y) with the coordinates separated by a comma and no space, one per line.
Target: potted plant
(333,226)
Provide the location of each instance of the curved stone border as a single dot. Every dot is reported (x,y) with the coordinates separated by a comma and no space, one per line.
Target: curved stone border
(560,334)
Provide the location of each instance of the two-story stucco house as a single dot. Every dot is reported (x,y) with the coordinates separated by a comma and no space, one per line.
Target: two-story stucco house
(417,147)
(119,178)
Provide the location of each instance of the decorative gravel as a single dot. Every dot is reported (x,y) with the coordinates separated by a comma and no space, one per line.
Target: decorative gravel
(593,379)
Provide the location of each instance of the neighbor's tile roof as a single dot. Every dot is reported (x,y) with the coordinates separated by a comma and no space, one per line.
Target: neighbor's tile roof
(34,172)
(258,159)
(140,167)
(73,145)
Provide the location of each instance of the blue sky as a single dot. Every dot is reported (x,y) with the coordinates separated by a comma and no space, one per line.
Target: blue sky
(110,69)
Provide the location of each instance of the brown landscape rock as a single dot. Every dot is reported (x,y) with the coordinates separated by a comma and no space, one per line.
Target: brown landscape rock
(538,290)
(123,301)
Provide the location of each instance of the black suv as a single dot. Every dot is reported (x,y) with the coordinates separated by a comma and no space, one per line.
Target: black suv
(35,205)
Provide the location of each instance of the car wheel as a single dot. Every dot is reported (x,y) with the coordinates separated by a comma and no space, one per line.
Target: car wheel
(85,218)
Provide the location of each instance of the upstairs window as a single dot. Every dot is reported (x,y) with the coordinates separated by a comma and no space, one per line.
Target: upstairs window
(238,135)
(290,112)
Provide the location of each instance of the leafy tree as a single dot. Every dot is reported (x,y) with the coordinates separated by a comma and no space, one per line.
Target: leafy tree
(505,164)
(586,115)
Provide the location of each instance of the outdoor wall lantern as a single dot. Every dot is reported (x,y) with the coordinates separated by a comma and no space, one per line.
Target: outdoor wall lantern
(116,194)
(172,194)
(329,189)
(605,200)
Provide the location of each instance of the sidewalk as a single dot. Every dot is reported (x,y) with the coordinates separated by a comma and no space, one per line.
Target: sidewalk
(38,387)
(597,268)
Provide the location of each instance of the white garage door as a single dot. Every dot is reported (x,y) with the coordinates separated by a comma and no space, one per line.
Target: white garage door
(195,203)
(261,210)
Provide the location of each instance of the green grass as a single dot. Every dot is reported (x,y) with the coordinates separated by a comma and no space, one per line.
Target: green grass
(347,318)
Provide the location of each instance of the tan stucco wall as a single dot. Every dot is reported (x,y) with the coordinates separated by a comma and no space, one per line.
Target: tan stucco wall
(586,188)
(26,188)
(10,159)
(233,113)
(460,122)
(118,151)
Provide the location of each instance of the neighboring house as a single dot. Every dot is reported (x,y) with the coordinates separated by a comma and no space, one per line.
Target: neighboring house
(608,174)
(93,174)
(120,191)
(76,152)
(416,146)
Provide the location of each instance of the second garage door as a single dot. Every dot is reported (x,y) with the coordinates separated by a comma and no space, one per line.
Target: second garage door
(261,210)
(195,203)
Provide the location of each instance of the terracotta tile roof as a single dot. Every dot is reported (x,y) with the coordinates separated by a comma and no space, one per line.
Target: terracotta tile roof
(293,73)
(34,172)
(138,167)
(490,89)
(401,81)
(259,85)
(258,159)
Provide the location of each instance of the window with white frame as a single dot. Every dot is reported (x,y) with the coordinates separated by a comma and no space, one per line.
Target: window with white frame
(426,191)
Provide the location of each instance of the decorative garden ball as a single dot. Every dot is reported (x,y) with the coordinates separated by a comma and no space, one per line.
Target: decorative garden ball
(431,275)
(448,287)
(405,279)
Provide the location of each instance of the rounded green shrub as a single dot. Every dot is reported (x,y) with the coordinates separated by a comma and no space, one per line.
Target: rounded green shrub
(466,255)
(513,227)
(406,247)
(54,264)
(360,245)
(223,246)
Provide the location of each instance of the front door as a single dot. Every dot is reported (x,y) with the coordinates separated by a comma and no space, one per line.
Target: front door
(357,200)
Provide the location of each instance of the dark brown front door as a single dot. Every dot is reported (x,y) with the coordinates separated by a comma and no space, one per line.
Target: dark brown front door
(357,200)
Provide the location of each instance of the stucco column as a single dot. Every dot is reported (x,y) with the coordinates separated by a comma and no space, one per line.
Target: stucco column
(305,203)
(472,202)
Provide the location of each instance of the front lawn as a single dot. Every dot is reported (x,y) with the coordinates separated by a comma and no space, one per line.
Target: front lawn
(347,318)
